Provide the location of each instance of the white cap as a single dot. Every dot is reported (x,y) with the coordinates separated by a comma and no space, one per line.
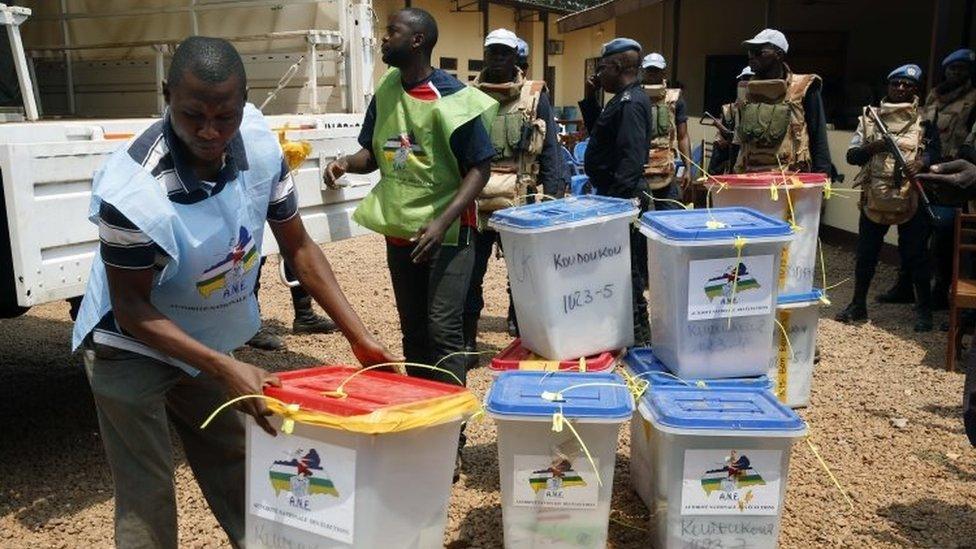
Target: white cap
(655,60)
(504,37)
(747,71)
(770,36)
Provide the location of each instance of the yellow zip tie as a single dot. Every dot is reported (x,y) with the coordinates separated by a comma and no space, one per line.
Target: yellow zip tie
(635,385)
(823,271)
(582,364)
(830,473)
(786,336)
(739,243)
(688,206)
(828,189)
(340,392)
(626,524)
(789,206)
(773,192)
(560,419)
(287,426)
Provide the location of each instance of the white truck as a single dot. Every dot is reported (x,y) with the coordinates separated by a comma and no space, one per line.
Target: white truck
(47,160)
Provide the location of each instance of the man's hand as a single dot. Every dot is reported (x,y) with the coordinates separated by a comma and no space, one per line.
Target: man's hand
(876,147)
(913,168)
(241,378)
(428,239)
(591,86)
(336,169)
(368,352)
(957,173)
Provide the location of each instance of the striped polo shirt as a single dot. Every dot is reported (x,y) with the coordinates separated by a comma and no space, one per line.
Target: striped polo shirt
(124,246)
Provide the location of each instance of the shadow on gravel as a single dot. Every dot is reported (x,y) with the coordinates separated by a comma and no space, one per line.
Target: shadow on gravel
(481,528)
(50,450)
(484,459)
(930,523)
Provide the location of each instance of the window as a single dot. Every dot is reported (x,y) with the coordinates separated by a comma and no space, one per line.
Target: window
(449,63)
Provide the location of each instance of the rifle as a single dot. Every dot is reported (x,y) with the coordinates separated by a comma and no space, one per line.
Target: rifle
(708,119)
(900,163)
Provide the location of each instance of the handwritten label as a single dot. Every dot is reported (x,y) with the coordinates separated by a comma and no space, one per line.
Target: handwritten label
(561,261)
(581,298)
(727,534)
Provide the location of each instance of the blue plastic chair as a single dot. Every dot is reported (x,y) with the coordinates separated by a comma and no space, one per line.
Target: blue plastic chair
(579,185)
(698,155)
(571,165)
(579,151)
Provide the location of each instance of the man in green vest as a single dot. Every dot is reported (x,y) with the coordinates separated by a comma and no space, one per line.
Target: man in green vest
(427,134)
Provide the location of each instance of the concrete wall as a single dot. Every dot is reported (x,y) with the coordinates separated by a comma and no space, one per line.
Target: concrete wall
(877,37)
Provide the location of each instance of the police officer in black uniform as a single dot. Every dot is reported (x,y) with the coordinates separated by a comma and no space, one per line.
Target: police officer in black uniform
(620,138)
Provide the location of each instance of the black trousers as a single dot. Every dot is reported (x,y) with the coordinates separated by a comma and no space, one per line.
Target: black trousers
(484,242)
(913,236)
(297,292)
(430,301)
(638,280)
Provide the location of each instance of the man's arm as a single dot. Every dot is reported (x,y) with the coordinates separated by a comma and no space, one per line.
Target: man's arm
(130,289)
(816,119)
(431,236)
(306,260)
(363,160)
(589,108)
(552,170)
(859,152)
(632,144)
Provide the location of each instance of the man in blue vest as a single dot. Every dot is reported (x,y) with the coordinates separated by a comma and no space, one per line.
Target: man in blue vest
(181,211)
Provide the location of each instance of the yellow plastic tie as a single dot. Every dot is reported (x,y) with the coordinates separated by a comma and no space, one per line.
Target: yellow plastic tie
(635,385)
(558,420)
(773,192)
(288,423)
(789,206)
(828,189)
(582,364)
(739,244)
(340,391)
(823,273)
(234,401)
(786,336)
(627,523)
(830,473)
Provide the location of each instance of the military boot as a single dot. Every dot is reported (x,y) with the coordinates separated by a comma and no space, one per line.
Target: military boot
(901,292)
(266,341)
(307,322)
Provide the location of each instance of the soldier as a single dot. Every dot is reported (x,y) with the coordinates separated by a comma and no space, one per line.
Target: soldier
(669,131)
(526,160)
(723,151)
(952,106)
(889,197)
(620,139)
(781,121)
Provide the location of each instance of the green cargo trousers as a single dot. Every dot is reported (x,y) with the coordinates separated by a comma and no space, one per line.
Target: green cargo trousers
(137,397)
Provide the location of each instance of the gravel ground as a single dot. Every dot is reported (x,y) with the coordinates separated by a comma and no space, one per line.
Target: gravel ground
(912,486)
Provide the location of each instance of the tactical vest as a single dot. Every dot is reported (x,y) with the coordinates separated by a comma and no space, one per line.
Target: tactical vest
(772,128)
(660,167)
(888,197)
(517,134)
(951,114)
